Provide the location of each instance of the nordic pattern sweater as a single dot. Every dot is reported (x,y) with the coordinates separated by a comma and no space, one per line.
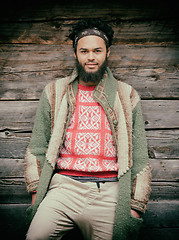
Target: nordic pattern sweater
(122,107)
(88,148)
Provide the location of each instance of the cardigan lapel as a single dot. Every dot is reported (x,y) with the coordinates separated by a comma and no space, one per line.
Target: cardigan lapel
(104,94)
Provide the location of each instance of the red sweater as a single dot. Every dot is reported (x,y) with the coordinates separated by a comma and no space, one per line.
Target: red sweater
(88,147)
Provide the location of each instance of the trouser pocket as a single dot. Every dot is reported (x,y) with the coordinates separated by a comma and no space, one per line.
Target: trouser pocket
(55,182)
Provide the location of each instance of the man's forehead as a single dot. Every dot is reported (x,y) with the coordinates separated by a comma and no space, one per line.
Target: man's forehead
(91,42)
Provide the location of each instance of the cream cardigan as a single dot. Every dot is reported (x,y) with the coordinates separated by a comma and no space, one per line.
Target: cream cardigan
(122,106)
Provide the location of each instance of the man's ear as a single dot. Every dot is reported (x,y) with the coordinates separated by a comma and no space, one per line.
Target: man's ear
(108,52)
(75,55)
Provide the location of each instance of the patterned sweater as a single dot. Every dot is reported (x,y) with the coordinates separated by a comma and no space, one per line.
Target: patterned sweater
(121,104)
(88,148)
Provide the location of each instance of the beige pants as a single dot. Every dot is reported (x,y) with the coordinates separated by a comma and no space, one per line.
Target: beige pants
(70,203)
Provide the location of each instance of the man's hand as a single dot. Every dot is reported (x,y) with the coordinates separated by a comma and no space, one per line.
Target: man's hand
(33,198)
(135,213)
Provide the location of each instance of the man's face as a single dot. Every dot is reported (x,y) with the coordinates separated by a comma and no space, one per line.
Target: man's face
(91,56)
(91,52)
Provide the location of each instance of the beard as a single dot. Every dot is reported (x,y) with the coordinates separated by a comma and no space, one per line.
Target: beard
(93,77)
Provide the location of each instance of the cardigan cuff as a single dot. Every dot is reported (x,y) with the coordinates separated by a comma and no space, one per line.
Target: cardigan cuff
(34,192)
(32,187)
(139,206)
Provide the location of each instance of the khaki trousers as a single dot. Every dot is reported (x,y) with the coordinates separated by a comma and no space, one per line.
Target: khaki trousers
(71,203)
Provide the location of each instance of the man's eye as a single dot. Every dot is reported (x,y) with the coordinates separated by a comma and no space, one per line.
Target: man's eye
(97,51)
(84,51)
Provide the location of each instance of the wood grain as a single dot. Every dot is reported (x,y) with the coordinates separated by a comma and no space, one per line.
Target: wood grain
(151,83)
(57,32)
(18,115)
(35,57)
(159,215)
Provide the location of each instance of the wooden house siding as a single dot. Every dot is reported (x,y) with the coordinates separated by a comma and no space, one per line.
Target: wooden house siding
(35,49)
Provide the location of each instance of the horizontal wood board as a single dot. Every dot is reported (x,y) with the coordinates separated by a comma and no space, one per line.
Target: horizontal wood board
(21,114)
(159,216)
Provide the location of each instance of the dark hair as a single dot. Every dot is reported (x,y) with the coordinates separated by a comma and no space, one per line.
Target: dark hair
(91,23)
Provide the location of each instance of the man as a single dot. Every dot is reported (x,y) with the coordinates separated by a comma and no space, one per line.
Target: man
(87,162)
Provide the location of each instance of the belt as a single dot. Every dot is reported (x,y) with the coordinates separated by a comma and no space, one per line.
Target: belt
(93,179)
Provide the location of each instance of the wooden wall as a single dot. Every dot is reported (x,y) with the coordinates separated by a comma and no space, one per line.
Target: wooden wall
(34,50)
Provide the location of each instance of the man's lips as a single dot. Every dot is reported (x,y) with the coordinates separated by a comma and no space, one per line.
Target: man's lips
(91,65)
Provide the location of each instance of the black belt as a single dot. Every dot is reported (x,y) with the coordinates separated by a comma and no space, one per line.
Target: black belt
(93,179)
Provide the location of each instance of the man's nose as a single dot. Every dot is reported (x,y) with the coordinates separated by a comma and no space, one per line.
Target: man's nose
(91,56)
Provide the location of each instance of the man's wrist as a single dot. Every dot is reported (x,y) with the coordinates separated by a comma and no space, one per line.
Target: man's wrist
(33,197)
(135,213)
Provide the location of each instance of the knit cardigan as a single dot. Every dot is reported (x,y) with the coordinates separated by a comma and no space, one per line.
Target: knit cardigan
(122,107)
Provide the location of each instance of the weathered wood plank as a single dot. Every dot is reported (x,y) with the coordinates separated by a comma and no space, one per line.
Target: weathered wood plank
(27,67)
(158,233)
(162,214)
(17,115)
(13,190)
(156,116)
(136,10)
(165,170)
(161,144)
(159,214)
(14,144)
(11,168)
(56,32)
(164,191)
(162,170)
(20,115)
(22,58)
(15,227)
(144,56)
(151,83)
(29,57)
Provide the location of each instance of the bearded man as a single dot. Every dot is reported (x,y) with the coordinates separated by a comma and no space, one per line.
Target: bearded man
(87,162)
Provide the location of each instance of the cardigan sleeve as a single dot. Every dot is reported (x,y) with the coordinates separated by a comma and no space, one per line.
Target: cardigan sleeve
(36,151)
(141,170)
